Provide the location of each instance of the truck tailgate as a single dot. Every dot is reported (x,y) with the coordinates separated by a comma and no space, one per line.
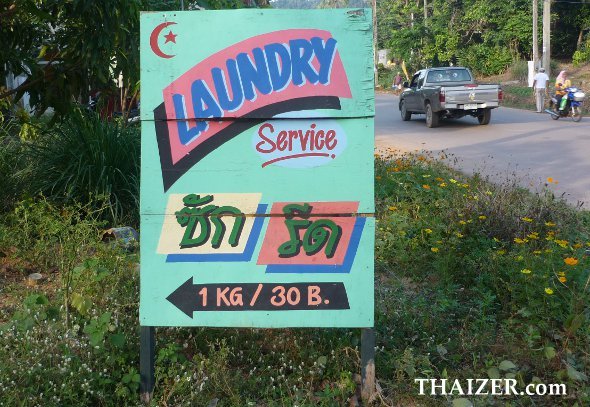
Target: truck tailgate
(470,94)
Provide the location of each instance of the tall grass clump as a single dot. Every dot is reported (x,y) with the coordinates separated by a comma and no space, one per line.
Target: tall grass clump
(87,159)
(519,70)
(11,164)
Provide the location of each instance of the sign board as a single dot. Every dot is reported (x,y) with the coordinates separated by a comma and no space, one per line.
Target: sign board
(257,168)
(382,55)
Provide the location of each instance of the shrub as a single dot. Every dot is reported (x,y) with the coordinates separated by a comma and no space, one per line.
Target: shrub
(486,60)
(385,78)
(582,55)
(87,159)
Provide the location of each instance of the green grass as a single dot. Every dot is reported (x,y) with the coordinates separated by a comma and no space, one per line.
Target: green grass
(518,96)
(454,298)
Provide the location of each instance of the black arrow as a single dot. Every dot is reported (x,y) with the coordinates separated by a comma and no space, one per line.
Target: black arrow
(191,297)
(184,297)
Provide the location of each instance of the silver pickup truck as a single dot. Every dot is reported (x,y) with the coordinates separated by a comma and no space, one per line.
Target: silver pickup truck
(448,92)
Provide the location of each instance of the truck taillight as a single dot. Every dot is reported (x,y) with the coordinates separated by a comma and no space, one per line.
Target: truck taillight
(441,96)
(500,95)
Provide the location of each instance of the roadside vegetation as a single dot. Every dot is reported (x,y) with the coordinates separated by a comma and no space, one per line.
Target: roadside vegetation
(474,279)
(514,82)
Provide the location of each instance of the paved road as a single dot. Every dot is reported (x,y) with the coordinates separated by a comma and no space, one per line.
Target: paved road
(520,142)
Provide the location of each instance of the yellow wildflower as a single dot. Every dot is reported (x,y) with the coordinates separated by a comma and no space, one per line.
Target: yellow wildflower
(488,192)
(426,186)
(549,224)
(548,251)
(453,181)
(439,179)
(519,258)
(562,243)
(442,184)
(537,252)
(459,235)
(434,249)
(549,291)
(482,217)
(570,261)
(518,240)
(577,246)
(533,236)
(526,219)
(429,231)
(393,208)
(465,185)
(426,176)
(501,252)
(562,279)
(526,271)
(561,273)
(462,222)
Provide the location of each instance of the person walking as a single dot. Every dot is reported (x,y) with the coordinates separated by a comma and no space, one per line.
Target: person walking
(540,89)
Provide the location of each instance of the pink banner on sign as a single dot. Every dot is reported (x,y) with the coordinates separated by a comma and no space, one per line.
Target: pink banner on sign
(244,80)
(278,234)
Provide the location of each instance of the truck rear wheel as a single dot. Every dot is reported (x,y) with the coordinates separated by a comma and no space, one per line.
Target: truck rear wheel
(485,117)
(404,112)
(432,118)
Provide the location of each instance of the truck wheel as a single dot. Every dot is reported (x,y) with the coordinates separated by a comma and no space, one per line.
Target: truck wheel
(485,117)
(432,118)
(404,112)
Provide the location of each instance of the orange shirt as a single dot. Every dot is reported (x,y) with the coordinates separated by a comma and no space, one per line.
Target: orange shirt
(560,87)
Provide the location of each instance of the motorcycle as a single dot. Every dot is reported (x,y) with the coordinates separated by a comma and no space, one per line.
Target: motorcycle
(573,105)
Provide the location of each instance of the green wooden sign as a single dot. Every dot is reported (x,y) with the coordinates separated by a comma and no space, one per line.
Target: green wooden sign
(257,168)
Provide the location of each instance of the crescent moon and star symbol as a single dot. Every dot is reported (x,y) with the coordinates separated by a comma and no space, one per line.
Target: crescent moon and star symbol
(170,37)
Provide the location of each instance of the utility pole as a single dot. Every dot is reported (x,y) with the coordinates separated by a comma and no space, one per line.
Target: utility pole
(547,36)
(535,34)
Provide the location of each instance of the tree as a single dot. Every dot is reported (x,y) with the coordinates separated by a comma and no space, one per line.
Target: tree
(485,34)
(68,49)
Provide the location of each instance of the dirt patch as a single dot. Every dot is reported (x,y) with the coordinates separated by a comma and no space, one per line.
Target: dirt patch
(15,284)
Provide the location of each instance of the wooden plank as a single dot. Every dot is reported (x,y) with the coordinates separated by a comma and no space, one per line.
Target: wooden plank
(337,164)
(276,59)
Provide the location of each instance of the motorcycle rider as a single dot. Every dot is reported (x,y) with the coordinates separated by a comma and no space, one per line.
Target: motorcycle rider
(561,84)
